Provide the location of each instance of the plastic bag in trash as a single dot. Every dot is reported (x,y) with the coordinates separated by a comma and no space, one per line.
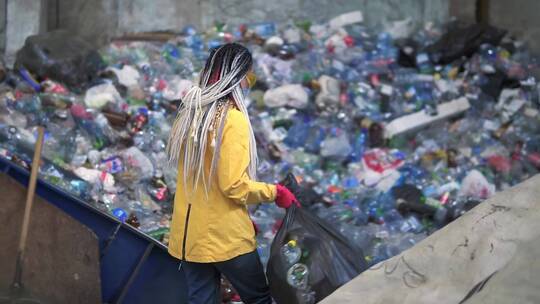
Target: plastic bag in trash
(292,95)
(127,75)
(309,259)
(60,56)
(98,96)
(461,42)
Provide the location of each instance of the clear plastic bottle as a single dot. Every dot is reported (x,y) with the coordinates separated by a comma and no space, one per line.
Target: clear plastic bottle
(264,29)
(359,146)
(291,252)
(336,146)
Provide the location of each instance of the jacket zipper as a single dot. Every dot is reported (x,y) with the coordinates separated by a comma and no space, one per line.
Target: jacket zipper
(185,233)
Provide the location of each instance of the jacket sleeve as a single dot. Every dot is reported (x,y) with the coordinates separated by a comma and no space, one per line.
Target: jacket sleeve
(232,166)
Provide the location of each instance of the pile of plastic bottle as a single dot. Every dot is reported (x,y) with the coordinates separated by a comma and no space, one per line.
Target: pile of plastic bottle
(320,109)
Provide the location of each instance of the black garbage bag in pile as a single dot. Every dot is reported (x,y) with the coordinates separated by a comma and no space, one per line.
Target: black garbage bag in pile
(60,56)
(496,82)
(465,41)
(309,259)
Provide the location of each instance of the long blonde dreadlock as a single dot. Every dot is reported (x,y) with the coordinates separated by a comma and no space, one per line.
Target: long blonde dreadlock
(203,111)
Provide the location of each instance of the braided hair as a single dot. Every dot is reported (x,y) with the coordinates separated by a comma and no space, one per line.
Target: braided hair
(203,112)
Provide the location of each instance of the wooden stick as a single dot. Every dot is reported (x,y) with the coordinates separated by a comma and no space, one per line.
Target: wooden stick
(28,206)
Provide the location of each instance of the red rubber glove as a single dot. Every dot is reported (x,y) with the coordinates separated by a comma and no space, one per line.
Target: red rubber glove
(285,198)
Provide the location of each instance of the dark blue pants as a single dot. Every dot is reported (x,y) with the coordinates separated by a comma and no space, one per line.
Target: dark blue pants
(245,273)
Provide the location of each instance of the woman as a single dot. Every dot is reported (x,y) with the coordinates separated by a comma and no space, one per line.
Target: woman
(213,143)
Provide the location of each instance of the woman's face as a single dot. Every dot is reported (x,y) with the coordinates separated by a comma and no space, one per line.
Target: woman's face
(244,84)
(249,81)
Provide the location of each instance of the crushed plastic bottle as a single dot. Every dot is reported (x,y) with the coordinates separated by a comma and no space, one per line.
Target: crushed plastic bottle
(298,275)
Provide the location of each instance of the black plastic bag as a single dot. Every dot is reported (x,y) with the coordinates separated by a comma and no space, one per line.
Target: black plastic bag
(461,42)
(330,259)
(308,197)
(408,48)
(496,82)
(60,56)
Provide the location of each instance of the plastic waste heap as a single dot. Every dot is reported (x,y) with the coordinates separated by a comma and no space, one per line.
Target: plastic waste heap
(332,104)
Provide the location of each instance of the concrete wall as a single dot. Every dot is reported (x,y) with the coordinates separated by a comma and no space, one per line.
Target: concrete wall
(143,15)
(520,17)
(3,23)
(464,10)
(22,19)
(101,19)
(376,12)
(94,20)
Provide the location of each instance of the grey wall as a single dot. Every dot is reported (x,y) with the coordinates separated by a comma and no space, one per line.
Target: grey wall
(95,20)
(22,19)
(101,19)
(376,12)
(3,23)
(463,10)
(144,15)
(520,17)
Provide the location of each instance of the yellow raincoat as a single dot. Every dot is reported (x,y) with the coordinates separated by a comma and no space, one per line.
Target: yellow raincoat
(219,228)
